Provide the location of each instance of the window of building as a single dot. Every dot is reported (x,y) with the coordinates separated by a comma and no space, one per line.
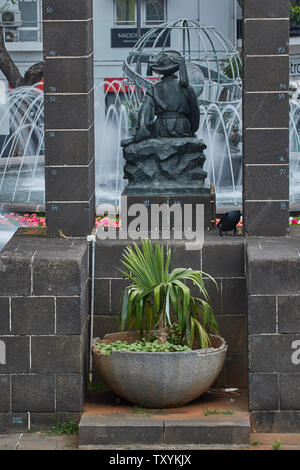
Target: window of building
(125,12)
(31,20)
(155,11)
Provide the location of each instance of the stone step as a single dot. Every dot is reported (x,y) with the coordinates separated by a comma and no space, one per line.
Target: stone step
(213,420)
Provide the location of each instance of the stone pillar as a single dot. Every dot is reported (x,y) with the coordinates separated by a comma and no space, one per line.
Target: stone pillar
(69,117)
(266,117)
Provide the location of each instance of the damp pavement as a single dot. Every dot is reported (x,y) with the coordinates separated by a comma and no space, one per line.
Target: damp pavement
(50,441)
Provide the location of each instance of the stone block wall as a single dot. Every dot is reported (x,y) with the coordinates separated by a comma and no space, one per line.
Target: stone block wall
(273,267)
(43,330)
(222,258)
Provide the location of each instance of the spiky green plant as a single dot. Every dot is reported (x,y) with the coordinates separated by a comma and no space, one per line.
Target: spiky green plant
(158,299)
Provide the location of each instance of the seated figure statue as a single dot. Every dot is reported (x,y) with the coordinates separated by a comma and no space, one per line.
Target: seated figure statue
(165,155)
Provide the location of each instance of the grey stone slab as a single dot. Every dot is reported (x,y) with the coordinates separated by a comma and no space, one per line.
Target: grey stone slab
(101,429)
(261,314)
(4,393)
(266,146)
(69,10)
(235,371)
(74,219)
(33,393)
(273,266)
(269,37)
(289,391)
(273,353)
(234,296)
(55,34)
(258,76)
(104,324)
(15,270)
(118,287)
(263,392)
(223,257)
(266,110)
(70,183)
(69,75)
(276,421)
(17,354)
(69,393)
(60,267)
(256,213)
(13,422)
(43,441)
(4,316)
(73,111)
(289,314)
(266,182)
(102,297)
(108,257)
(207,432)
(214,292)
(69,315)
(56,354)
(70,147)
(268,9)
(32,315)
(183,258)
(233,330)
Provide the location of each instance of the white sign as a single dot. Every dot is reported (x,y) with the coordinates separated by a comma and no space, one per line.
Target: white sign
(4,111)
(2,353)
(294,65)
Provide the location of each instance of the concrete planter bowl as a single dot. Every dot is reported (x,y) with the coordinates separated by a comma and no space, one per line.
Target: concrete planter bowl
(160,380)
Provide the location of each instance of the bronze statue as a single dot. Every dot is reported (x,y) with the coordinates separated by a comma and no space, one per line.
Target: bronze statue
(170,107)
(164,155)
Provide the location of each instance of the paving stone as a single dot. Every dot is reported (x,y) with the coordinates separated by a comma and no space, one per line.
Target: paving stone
(263,392)
(9,441)
(261,314)
(108,257)
(70,183)
(69,393)
(44,421)
(266,182)
(32,315)
(118,287)
(104,324)
(69,75)
(33,393)
(235,371)
(73,219)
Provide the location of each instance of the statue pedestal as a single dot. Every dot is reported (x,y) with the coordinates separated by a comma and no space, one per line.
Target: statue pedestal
(169,172)
(167,218)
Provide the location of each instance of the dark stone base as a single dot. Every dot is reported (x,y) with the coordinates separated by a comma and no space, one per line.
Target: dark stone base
(167,221)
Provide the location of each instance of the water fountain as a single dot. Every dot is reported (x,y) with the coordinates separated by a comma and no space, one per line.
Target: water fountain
(214,72)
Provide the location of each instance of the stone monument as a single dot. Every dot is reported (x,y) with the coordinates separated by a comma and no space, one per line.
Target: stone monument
(164,159)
